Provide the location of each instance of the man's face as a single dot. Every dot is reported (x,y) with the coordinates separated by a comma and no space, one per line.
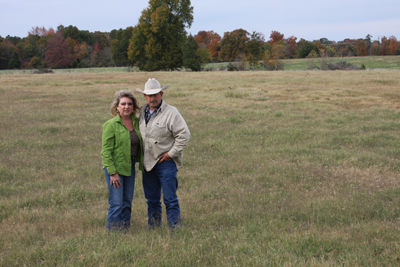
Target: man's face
(154,100)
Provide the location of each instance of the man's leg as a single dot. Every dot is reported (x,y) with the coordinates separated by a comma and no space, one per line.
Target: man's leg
(152,192)
(167,173)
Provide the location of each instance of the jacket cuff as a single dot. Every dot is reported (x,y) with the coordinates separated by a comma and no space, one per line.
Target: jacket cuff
(111,169)
(172,153)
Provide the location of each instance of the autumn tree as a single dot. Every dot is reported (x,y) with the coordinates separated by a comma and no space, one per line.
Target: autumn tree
(271,59)
(279,50)
(209,40)
(393,45)
(58,53)
(200,38)
(291,46)
(157,39)
(232,44)
(361,47)
(41,31)
(384,47)
(275,37)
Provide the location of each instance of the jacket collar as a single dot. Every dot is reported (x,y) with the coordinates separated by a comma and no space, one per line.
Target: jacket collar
(119,119)
(158,108)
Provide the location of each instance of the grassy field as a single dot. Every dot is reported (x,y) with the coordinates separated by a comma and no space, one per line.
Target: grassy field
(289,168)
(371,63)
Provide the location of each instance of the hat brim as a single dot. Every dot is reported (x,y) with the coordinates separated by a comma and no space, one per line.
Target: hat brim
(152,91)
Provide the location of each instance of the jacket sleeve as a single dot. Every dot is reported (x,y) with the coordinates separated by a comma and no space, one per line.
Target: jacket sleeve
(139,157)
(181,134)
(107,150)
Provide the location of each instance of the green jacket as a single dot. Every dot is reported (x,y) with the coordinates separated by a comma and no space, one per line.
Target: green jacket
(116,146)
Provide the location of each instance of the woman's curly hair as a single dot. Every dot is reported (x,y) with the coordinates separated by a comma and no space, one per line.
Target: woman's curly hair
(124,93)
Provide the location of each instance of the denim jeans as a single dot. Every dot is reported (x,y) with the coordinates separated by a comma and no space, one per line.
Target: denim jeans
(120,201)
(162,176)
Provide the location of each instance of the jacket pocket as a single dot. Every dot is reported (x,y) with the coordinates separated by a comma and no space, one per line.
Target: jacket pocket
(160,132)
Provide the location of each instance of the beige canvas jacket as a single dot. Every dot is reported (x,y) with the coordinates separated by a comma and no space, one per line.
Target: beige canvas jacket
(166,131)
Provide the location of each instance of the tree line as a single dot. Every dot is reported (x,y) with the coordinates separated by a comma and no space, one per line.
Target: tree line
(160,42)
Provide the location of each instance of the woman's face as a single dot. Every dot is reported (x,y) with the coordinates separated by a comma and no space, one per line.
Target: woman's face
(125,106)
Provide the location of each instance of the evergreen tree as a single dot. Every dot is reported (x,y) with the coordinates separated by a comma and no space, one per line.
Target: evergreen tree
(157,39)
(120,46)
(305,48)
(254,49)
(15,62)
(191,59)
(5,56)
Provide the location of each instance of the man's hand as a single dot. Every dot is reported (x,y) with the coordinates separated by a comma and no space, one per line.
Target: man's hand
(164,156)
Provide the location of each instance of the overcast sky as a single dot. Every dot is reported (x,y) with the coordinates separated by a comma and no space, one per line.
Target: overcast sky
(309,19)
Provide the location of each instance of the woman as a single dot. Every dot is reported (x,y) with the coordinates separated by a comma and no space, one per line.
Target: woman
(121,148)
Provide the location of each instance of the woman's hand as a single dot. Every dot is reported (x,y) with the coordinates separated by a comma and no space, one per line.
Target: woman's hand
(115,181)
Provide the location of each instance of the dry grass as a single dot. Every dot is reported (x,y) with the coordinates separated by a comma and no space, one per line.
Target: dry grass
(283,169)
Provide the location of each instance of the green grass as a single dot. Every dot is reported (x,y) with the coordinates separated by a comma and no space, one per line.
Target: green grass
(289,168)
(371,62)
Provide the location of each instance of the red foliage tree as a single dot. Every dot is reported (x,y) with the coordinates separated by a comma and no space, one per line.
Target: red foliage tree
(209,40)
(291,46)
(361,47)
(58,53)
(393,45)
(275,37)
(384,47)
(200,38)
(41,31)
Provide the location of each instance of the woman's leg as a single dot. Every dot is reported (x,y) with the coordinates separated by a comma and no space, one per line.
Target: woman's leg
(115,201)
(129,188)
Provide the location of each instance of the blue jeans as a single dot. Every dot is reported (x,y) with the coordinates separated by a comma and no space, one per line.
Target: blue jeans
(162,176)
(120,200)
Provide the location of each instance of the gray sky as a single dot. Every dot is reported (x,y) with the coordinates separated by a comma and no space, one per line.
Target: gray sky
(310,19)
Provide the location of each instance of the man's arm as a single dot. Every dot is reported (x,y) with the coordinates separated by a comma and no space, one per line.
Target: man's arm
(181,134)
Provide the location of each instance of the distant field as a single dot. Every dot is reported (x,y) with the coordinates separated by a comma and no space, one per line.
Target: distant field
(287,168)
(372,62)
(375,62)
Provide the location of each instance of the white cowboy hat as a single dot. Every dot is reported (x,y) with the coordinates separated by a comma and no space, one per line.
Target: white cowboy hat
(152,87)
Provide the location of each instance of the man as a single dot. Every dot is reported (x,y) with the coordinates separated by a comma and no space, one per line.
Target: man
(165,135)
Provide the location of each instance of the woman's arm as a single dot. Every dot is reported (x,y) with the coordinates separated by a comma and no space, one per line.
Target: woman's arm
(107,150)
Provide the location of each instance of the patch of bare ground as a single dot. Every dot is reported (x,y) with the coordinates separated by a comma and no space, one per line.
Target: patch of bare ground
(373,179)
